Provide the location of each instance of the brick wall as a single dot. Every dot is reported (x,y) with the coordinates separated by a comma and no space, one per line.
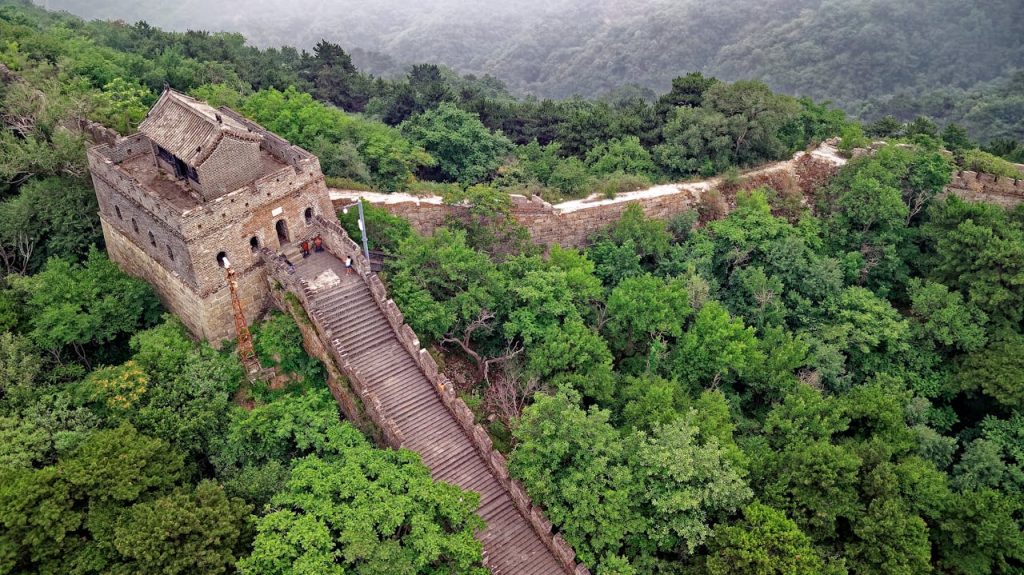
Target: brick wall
(554,224)
(104,166)
(975,187)
(134,213)
(547,224)
(572,223)
(228,223)
(175,251)
(210,317)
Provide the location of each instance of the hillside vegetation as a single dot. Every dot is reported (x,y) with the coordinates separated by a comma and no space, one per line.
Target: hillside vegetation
(951,60)
(826,380)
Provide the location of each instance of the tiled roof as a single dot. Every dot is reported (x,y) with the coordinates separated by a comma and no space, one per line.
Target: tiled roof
(190,129)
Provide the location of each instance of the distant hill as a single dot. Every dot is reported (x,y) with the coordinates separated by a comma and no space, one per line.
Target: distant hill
(951,59)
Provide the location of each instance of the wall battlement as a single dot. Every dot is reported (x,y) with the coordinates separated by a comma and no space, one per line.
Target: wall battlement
(978,187)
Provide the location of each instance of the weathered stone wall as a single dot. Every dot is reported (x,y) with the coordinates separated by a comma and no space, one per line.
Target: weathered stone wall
(975,187)
(573,223)
(228,224)
(149,233)
(104,164)
(98,133)
(175,248)
(133,211)
(210,317)
(547,224)
(277,146)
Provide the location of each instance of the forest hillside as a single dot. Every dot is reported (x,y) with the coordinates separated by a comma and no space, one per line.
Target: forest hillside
(822,377)
(947,59)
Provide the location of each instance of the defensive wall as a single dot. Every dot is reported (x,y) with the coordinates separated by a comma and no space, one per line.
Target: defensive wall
(976,187)
(572,223)
(339,244)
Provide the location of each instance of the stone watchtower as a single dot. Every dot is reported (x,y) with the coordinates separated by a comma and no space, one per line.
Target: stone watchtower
(198,188)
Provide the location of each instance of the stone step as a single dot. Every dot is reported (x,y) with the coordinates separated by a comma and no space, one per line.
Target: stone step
(345,322)
(362,335)
(364,339)
(344,291)
(356,307)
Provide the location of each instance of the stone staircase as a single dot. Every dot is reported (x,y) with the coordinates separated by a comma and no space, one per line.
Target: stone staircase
(367,346)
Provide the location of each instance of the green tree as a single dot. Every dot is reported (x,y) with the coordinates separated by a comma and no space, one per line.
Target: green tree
(19,366)
(978,250)
(82,308)
(765,542)
(296,116)
(570,177)
(955,138)
(385,231)
(440,281)
(981,534)
(871,332)
(52,217)
(716,347)
(642,310)
(944,319)
(466,151)
(624,155)
(687,91)
(572,463)
(186,531)
(122,105)
(689,483)
(997,370)
(370,511)
(754,117)
(64,518)
(253,455)
(891,541)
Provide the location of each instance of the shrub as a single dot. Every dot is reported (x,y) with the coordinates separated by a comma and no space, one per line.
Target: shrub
(979,161)
(620,183)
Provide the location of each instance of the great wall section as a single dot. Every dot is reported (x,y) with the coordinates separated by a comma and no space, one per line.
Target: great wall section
(211,237)
(572,223)
(361,331)
(383,380)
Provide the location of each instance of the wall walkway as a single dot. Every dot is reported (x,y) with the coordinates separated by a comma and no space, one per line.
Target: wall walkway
(414,406)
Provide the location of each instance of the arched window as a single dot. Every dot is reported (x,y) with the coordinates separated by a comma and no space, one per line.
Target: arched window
(118,210)
(221,258)
(254,243)
(170,253)
(282,231)
(152,240)
(308,214)
(135,226)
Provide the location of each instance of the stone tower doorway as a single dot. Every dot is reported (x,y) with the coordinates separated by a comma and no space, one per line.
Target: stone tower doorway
(282,231)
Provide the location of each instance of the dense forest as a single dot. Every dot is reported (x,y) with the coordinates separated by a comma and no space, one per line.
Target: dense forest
(948,59)
(774,383)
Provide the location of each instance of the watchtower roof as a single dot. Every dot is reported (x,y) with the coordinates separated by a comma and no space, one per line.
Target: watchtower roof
(190,129)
